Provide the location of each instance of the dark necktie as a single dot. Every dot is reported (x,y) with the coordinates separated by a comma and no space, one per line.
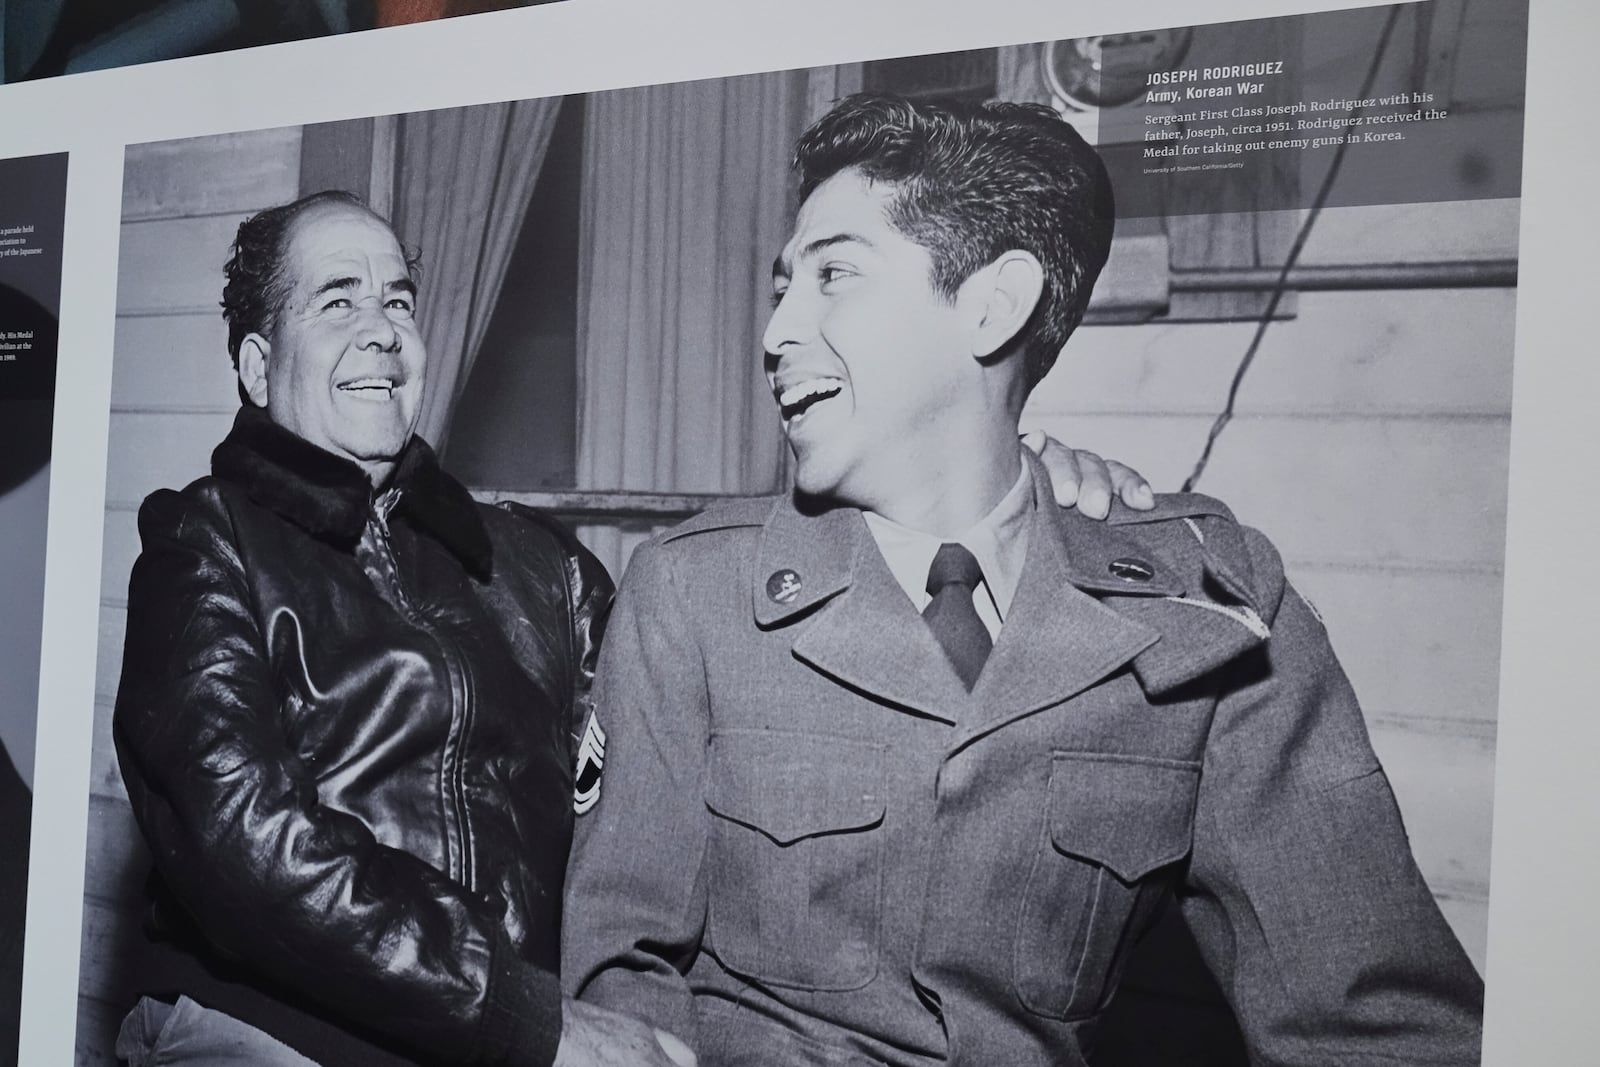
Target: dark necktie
(950,615)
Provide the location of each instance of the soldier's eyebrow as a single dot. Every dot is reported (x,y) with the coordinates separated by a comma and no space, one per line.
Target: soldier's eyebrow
(783,266)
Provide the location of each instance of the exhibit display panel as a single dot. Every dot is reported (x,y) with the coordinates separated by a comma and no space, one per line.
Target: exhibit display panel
(1317,308)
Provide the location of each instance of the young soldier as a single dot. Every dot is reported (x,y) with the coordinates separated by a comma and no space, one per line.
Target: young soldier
(898,769)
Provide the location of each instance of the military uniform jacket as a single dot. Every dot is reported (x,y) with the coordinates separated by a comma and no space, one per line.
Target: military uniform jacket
(813,846)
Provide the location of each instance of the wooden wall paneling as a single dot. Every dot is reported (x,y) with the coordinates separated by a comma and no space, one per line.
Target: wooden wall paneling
(215,175)
(1469,918)
(1444,783)
(98,1022)
(117,853)
(108,955)
(1447,476)
(1306,481)
(108,658)
(120,549)
(1443,351)
(1418,644)
(173,363)
(169,265)
(1416,233)
(159,450)
(105,774)
(113,910)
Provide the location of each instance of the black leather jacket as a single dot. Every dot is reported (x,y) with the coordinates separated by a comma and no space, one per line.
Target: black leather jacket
(346,726)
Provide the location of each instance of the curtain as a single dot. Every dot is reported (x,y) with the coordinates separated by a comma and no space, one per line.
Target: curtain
(687,198)
(464,177)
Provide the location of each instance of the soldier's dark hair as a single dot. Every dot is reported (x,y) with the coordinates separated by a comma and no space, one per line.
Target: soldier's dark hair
(972,181)
(257,284)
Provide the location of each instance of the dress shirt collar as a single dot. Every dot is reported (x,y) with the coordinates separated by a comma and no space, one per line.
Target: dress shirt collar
(999,540)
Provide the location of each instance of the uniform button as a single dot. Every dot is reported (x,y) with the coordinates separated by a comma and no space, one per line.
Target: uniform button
(783,586)
(1130,569)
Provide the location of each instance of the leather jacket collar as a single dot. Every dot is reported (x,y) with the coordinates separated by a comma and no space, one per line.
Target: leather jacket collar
(330,497)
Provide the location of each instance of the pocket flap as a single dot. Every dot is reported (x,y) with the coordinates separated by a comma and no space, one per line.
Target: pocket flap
(1130,814)
(790,786)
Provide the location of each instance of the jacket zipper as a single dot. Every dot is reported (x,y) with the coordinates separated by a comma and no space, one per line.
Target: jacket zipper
(452,771)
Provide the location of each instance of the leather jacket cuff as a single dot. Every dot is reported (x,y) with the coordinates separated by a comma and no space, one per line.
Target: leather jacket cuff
(521,1025)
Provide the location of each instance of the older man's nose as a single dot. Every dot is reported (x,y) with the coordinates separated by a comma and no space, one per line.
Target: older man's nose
(376,330)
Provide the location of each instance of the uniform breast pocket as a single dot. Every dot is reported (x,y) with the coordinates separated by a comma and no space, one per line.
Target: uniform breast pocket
(796,857)
(1109,823)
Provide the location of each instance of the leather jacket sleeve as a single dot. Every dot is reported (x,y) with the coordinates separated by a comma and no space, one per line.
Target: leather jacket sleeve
(306,895)
(590,592)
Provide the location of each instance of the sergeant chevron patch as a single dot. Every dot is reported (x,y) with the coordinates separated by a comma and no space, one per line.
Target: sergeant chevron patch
(591,759)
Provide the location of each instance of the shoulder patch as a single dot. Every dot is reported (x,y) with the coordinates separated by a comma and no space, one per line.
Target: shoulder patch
(1315,614)
(752,511)
(591,762)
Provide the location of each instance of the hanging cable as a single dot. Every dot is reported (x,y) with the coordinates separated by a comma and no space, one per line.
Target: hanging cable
(1279,287)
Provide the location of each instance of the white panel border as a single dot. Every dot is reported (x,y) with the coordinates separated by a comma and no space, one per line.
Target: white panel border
(1544,925)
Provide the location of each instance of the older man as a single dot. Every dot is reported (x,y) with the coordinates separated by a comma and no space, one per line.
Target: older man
(348,697)
(348,704)
(899,769)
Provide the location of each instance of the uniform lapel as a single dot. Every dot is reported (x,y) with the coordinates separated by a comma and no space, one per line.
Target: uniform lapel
(1094,597)
(865,632)
(1211,623)
(1057,639)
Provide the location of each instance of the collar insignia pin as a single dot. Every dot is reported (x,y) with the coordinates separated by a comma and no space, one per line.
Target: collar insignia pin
(1132,570)
(783,586)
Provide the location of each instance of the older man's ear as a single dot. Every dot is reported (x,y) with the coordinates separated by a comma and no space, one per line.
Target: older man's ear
(254,351)
(1082,478)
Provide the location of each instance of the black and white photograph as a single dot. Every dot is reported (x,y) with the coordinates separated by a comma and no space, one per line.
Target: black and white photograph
(981,557)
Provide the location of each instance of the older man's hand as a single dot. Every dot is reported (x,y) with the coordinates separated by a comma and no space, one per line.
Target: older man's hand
(592,1036)
(1080,477)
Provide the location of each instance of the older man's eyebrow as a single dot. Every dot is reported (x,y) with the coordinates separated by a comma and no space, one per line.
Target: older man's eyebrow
(782,266)
(402,285)
(333,285)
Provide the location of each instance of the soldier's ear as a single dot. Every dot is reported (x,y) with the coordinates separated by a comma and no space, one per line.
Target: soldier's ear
(1003,296)
(255,351)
